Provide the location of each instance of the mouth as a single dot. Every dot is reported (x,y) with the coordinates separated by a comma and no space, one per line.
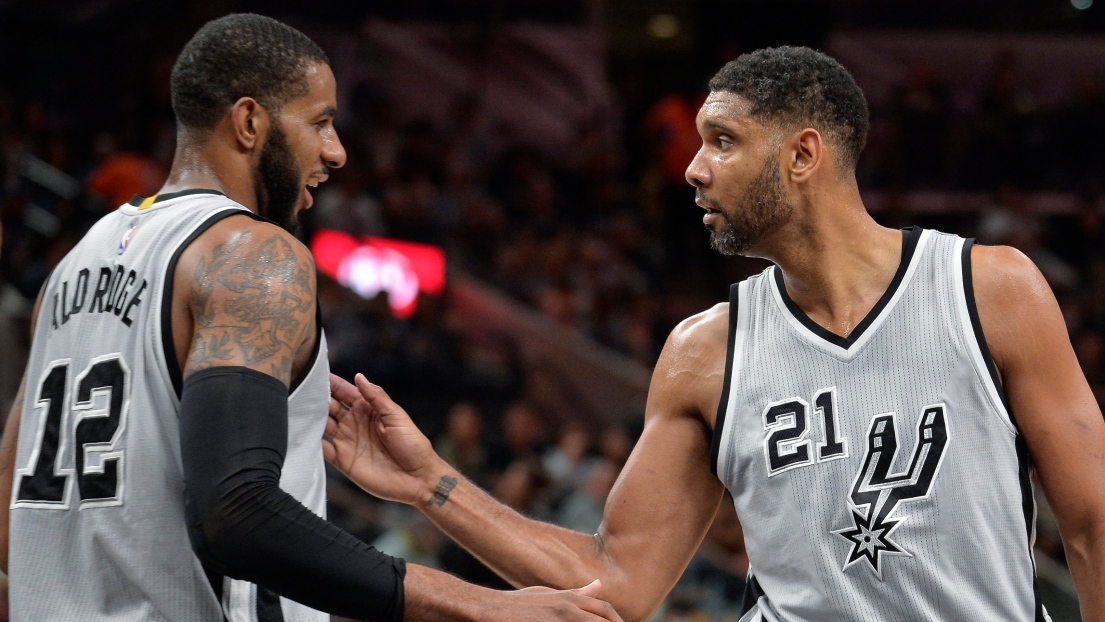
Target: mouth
(309,200)
(713,214)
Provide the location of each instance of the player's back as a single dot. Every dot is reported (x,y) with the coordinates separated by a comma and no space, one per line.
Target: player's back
(97,526)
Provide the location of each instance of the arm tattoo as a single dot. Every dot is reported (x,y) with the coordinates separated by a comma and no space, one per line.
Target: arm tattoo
(441,493)
(251,303)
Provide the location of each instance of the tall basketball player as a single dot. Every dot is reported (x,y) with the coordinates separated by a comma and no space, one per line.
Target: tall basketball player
(168,464)
(874,401)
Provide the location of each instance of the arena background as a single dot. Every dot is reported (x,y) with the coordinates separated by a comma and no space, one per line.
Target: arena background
(541,144)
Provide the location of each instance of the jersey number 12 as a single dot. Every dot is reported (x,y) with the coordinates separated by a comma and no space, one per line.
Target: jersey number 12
(99,412)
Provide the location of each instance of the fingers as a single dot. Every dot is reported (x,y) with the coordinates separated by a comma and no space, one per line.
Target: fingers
(591,603)
(591,589)
(336,407)
(342,390)
(328,451)
(600,608)
(373,394)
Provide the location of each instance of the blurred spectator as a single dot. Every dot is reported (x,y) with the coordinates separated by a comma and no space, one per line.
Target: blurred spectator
(522,436)
(568,463)
(346,205)
(582,509)
(123,174)
(415,539)
(461,445)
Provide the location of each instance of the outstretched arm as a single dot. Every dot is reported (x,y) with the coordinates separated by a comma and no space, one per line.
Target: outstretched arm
(655,517)
(1053,406)
(252,305)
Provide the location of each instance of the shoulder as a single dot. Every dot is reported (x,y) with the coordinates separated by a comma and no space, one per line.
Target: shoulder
(690,372)
(702,330)
(1005,279)
(247,250)
(1014,301)
(243,235)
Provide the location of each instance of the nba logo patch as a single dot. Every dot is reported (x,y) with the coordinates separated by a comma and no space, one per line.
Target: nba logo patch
(126,239)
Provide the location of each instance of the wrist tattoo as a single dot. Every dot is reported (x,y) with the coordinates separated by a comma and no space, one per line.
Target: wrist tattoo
(441,493)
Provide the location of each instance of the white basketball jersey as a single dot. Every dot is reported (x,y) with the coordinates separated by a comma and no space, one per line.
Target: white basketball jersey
(97,527)
(881,476)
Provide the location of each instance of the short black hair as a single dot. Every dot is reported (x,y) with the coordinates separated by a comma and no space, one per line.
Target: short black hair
(799,86)
(240,55)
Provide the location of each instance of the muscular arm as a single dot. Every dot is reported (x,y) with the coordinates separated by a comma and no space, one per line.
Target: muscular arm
(8,448)
(656,515)
(252,305)
(7,468)
(1053,406)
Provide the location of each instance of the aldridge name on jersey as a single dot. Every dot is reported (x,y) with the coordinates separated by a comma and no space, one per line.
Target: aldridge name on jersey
(116,291)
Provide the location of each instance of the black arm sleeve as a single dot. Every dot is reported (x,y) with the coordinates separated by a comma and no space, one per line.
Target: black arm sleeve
(233,437)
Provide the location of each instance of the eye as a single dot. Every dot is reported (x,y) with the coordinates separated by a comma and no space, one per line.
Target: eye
(724,142)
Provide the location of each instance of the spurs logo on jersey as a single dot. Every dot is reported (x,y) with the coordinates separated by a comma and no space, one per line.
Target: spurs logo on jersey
(876,492)
(854,460)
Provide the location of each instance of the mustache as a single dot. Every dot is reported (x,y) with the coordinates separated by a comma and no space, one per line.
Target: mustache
(701,197)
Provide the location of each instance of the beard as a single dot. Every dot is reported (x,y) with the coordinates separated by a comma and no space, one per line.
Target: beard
(276,181)
(765,208)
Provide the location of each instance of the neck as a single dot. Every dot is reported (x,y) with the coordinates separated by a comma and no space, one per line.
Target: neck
(836,260)
(200,163)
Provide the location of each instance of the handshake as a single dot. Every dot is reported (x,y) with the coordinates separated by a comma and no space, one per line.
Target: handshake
(373,441)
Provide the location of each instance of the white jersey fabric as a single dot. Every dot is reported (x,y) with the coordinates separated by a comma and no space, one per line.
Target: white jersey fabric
(98,526)
(881,476)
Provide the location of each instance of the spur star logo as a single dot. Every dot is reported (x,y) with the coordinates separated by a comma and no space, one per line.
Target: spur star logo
(876,492)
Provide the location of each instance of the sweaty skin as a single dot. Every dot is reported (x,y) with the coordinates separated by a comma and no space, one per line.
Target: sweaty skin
(837,262)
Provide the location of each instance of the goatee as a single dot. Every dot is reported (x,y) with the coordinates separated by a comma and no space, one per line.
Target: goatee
(765,209)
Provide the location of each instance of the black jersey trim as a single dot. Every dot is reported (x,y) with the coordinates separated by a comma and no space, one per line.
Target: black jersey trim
(167,343)
(723,406)
(1028,504)
(268,606)
(911,236)
(752,594)
(137,200)
(303,373)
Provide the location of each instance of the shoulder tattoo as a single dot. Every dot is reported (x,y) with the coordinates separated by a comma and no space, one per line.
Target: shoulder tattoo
(251,303)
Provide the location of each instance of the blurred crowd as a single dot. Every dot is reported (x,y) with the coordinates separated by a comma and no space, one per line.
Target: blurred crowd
(603,237)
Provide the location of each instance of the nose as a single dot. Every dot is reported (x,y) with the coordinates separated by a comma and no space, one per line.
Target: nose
(698,173)
(333,153)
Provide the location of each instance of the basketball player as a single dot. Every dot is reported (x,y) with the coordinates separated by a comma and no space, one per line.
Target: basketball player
(874,401)
(168,464)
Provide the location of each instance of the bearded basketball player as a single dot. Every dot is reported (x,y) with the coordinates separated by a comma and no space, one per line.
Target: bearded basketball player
(164,460)
(875,401)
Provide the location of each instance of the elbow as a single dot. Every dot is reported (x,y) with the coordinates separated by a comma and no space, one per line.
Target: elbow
(219,527)
(1084,543)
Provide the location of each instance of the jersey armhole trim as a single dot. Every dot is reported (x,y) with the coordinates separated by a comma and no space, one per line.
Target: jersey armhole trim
(734,344)
(310,365)
(167,343)
(980,349)
(977,347)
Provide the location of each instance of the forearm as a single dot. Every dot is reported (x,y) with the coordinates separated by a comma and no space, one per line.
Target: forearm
(523,551)
(233,436)
(1086,558)
(432,595)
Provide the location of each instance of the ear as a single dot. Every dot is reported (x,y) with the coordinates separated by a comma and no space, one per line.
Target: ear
(250,122)
(807,154)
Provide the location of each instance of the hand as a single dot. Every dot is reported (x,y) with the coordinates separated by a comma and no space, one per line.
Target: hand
(543,603)
(373,441)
